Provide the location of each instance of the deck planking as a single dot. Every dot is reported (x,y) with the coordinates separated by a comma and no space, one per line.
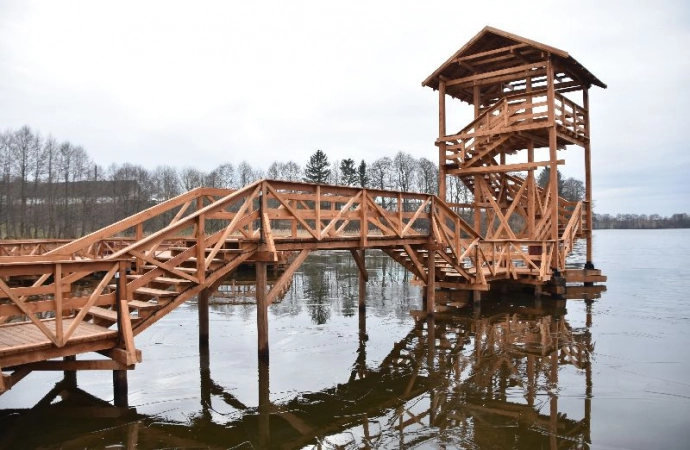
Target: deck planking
(25,337)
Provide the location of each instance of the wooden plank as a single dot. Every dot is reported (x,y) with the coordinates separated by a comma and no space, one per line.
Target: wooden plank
(151,292)
(102,313)
(520,167)
(286,276)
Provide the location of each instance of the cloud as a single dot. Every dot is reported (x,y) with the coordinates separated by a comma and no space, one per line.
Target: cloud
(207,82)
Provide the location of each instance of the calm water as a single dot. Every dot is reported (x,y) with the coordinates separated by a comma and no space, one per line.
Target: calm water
(607,374)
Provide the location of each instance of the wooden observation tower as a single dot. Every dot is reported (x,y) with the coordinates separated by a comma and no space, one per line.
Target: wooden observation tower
(530,101)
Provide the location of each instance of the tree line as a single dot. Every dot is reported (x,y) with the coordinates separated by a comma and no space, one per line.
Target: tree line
(54,189)
(640,221)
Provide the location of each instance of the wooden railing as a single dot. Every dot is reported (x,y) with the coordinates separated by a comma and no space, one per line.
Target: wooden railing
(571,232)
(259,221)
(54,305)
(571,116)
(23,247)
(516,112)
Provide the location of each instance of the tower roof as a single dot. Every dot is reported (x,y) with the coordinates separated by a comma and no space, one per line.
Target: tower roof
(494,50)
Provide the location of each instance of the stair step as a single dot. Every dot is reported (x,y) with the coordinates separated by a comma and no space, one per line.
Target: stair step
(173,281)
(139,305)
(155,292)
(189,270)
(102,313)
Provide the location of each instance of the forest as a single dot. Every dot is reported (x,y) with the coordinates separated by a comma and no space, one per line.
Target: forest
(53,189)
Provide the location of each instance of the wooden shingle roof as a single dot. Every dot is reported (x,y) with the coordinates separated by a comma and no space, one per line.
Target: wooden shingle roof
(493,50)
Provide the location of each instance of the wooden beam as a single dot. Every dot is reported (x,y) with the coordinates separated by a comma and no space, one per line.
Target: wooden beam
(494,74)
(261,310)
(359,260)
(506,168)
(286,276)
(100,364)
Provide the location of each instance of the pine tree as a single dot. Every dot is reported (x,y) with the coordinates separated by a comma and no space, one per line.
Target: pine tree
(362,175)
(544,177)
(317,169)
(348,172)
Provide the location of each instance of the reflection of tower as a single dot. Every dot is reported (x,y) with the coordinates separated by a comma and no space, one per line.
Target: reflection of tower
(511,352)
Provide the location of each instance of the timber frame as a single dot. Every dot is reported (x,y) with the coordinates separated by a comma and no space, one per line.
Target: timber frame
(145,266)
(521,91)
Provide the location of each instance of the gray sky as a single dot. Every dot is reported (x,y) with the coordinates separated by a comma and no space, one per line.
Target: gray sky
(202,83)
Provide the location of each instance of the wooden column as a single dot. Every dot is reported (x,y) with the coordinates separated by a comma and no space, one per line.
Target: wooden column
(206,384)
(441,135)
(531,192)
(202,305)
(70,376)
(477,100)
(264,404)
(200,243)
(553,159)
(262,310)
(431,282)
(588,181)
(120,388)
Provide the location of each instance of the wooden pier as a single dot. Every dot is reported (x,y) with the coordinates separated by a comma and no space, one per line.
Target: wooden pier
(145,266)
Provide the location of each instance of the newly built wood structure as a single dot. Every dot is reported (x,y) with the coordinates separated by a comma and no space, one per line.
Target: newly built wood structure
(143,267)
(522,92)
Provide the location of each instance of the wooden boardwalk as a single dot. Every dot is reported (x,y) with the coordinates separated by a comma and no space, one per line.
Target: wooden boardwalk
(143,267)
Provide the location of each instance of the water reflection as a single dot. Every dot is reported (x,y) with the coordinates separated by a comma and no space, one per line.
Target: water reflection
(481,379)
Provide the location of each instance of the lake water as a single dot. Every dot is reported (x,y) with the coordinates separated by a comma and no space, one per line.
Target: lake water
(516,373)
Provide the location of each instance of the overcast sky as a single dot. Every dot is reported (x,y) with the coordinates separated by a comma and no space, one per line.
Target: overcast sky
(201,83)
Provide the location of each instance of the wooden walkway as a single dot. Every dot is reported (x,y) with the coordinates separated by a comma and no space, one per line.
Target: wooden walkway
(145,266)
(140,269)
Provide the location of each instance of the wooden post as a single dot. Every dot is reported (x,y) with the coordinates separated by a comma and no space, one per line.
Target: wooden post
(262,310)
(476,93)
(442,143)
(139,235)
(203,310)
(59,332)
(206,387)
(264,404)
(120,388)
(362,286)
(588,181)
(364,227)
(200,243)
(70,376)
(553,159)
(531,192)
(431,282)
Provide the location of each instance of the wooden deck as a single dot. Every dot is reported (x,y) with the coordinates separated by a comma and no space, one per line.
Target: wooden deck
(25,337)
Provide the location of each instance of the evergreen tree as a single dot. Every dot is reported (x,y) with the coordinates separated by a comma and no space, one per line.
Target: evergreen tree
(544,177)
(348,172)
(362,175)
(317,170)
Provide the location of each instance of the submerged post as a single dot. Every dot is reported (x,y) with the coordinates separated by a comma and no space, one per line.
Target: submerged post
(261,310)
(362,282)
(120,388)
(202,305)
(431,282)
(70,376)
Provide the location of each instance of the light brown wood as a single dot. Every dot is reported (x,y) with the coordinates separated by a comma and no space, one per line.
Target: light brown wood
(420,231)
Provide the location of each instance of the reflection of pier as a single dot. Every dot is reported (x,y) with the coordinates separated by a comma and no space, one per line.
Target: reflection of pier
(489,379)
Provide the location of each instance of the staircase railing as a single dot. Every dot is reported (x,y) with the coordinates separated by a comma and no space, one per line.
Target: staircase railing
(570,233)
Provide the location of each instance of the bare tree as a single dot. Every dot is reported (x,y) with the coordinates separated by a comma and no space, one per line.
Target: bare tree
(166,183)
(5,185)
(427,176)
(191,178)
(222,176)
